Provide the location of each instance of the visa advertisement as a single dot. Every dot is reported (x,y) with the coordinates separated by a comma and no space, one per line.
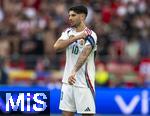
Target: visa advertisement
(117,101)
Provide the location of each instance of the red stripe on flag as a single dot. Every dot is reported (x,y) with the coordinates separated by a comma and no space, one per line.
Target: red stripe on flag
(88,31)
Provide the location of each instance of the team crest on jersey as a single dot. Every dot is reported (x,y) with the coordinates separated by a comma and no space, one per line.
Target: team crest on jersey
(82,42)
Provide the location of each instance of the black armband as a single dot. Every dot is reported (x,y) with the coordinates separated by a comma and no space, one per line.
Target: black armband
(90,39)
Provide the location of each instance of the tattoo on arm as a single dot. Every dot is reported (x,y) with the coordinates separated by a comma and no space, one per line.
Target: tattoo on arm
(82,57)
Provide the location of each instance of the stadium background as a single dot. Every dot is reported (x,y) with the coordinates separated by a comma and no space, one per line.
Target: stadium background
(29,28)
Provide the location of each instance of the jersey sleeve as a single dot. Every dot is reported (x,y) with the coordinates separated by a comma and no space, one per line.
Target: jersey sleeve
(91,40)
(65,35)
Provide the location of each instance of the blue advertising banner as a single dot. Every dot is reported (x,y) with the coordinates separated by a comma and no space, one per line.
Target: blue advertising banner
(118,101)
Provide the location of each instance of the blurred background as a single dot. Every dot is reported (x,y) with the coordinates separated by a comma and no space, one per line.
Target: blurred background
(29,28)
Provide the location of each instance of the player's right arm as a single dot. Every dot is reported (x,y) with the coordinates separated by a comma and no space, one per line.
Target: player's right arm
(61,44)
(64,41)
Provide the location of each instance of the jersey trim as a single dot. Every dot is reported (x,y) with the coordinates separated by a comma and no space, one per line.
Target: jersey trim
(89,84)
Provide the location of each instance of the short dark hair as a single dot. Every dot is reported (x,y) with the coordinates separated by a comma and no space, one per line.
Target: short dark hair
(79,9)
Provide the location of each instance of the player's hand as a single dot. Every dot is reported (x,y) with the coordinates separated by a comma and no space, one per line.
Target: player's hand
(72,78)
(85,33)
(82,35)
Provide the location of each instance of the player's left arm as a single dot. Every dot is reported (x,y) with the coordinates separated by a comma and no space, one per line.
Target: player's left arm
(81,60)
(89,45)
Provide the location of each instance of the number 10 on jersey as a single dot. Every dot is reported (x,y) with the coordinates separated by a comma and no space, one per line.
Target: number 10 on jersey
(75,49)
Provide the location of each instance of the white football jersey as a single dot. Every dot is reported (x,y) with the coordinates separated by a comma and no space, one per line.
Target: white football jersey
(85,77)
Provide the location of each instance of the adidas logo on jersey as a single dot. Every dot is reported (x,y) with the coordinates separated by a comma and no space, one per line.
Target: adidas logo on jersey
(87,109)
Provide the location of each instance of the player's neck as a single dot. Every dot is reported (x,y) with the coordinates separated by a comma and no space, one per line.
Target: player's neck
(80,27)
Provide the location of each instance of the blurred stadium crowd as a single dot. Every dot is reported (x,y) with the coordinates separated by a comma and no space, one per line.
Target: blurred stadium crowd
(29,28)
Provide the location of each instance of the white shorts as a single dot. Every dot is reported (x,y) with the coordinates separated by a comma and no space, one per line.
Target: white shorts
(77,99)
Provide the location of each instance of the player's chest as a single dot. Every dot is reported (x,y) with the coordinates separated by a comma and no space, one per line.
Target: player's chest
(76,47)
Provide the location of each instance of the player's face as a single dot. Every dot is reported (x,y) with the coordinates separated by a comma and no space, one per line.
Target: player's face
(74,19)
